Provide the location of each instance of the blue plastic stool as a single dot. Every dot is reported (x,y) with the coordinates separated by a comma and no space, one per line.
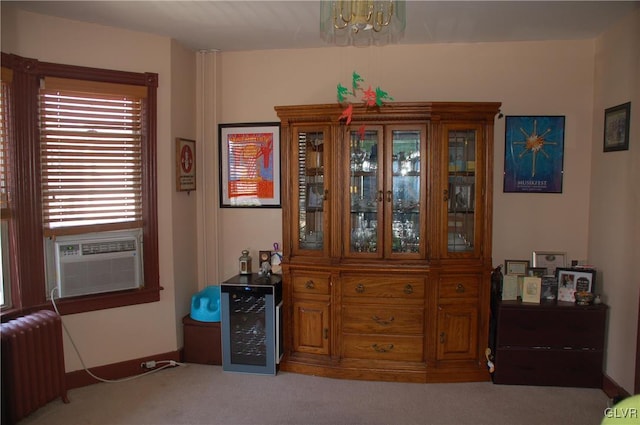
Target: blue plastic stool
(205,305)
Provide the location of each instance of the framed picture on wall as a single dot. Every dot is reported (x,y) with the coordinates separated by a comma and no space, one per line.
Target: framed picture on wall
(534,154)
(249,165)
(185,164)
(616,127)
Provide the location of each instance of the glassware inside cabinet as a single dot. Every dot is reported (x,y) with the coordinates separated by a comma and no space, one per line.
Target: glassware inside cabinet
(364,191)
(405,195)
(461,190)
(311,190)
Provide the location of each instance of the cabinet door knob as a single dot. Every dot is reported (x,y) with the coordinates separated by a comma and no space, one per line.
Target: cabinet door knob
(389,196)
(460,288)
(446,195)
(442,338)
(326,194)
(326,333)
(360,288)
(380,196)
(310,284)
(408,289)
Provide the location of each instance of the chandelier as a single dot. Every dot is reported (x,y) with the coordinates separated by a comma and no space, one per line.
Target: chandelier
(362,22)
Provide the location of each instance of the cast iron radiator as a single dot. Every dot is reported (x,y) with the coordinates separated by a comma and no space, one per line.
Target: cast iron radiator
(32,364)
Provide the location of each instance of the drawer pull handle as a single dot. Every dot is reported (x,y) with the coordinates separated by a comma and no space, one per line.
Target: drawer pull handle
(382,321)
(442,338)
(310,284)
(380,349)
(408,289)
(460,288)
(360,288)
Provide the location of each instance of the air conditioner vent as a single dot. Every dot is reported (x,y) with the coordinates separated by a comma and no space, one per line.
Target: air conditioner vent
(106,247)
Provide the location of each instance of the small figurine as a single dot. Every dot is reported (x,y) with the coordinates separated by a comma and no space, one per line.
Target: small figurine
(265,269)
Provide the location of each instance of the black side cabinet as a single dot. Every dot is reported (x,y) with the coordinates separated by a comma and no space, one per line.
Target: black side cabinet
(553,343)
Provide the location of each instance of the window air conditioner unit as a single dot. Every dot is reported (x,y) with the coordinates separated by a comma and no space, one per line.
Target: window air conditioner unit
(97,263)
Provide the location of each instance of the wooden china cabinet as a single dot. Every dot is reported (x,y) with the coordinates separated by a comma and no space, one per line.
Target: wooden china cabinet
(387,240)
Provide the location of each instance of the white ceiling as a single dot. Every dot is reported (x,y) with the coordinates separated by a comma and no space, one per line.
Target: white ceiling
(259,25)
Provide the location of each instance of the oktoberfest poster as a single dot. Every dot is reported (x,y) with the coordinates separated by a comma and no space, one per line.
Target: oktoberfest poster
(534,154)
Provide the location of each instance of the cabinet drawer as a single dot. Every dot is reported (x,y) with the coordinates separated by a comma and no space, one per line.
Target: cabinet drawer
(566,368)
(382,320)
(380,347)
(383,287)
(559,328)
(459,286)
(311,284)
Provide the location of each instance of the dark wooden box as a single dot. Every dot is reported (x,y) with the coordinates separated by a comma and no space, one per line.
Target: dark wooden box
(202,342)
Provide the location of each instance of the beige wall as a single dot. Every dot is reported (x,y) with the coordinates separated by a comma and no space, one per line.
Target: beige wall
(543,78)
(111,336)
(614,229)
(184,228)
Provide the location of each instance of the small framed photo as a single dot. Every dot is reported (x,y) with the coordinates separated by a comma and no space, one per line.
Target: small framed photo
(549,287)
(572,280)
(531,289)
(536,271)
(510,288)
(461,198)
(549,260)
(516,267)
(616,128)
(315,196)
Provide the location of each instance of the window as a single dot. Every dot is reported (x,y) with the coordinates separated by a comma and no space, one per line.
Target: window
(5,288)
(85,154)
(91,150)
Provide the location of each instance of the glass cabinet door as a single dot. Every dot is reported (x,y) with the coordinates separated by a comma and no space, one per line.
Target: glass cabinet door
(404,195)
(311,187)
(461,193)
(365,193)
(386,208)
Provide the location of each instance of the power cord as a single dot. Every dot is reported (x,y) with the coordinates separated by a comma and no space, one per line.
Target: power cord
(149,364)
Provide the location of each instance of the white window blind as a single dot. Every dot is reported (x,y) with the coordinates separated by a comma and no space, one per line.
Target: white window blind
(91,155)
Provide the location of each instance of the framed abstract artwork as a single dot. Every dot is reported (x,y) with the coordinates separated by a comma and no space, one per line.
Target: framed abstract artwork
(534,154)
(249,165)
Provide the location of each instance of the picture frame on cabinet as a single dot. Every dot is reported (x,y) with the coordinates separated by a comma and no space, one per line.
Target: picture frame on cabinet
(536,271)
(531,289)
(550,260)
(249,165)
(534,154)
(616,128)
(516,267)
(572,280)
(549,287)
(314,197)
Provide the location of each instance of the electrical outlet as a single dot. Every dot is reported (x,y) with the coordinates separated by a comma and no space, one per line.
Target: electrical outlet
(151,364)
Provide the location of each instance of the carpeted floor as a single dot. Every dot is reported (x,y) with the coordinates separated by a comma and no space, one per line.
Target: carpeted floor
(200,394)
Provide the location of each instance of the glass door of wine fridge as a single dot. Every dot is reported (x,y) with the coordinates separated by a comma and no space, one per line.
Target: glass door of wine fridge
(251,308)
